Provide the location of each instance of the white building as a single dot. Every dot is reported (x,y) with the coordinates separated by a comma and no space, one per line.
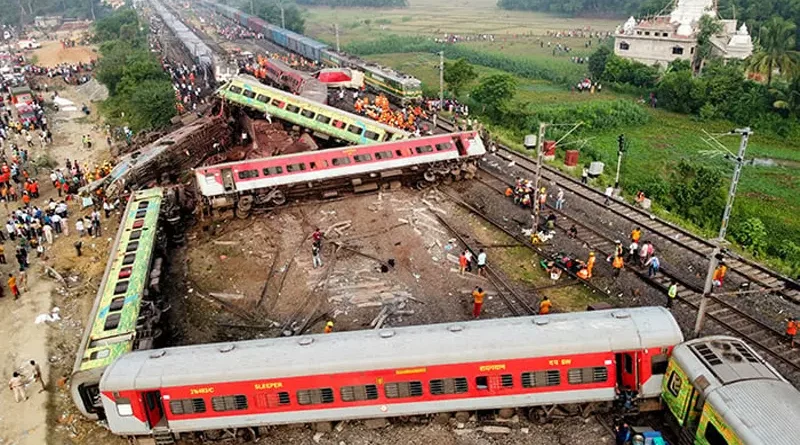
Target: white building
(664,38)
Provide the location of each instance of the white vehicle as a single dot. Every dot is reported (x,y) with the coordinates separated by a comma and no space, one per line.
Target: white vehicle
(28,44)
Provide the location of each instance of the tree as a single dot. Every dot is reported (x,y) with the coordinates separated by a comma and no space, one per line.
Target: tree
(708,28)
(597,62)
(270,10)
(787,96)
(495,91)
(457,74)
(752,235)
(776,45)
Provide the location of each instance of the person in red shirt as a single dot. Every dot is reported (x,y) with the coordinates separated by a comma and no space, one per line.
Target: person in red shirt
(791,330)
(26,198)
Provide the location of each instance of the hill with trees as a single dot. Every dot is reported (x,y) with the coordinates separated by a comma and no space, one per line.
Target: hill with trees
(351,3)
(23,11)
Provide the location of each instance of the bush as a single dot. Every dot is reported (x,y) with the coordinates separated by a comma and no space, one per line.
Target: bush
(752,235)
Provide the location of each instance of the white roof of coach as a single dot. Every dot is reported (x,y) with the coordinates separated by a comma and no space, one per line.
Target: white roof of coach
(428,345)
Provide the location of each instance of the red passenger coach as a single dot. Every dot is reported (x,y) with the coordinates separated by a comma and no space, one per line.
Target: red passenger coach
(560,359)
(269,180)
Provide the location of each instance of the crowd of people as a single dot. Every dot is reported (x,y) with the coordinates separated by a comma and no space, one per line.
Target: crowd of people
(70,73)
(407,118)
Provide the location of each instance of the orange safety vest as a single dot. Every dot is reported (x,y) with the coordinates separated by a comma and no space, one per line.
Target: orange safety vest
(791,328)
(544,307)
(618,262)
(478,296)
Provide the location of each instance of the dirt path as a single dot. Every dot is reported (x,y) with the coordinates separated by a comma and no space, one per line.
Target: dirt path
(21,340)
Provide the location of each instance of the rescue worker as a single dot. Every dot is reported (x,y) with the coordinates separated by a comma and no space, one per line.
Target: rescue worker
(672,293)
(617,263)
(328,327)
(636,234)
(791,330)
(590,264)
(719,274)
(477,299)
(12,285)
(462,263)
(17,385)
(544,306)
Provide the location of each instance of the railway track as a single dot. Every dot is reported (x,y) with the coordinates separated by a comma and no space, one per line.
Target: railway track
(757,275)
(759,334)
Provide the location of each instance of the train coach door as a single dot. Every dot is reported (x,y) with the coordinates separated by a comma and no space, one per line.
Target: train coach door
(626,371)
(153,408)
(227,180)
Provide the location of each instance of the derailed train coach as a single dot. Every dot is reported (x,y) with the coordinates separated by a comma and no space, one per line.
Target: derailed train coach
(536,363)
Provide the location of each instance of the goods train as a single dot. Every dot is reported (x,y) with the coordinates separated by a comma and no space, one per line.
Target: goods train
(721,392)
(576,359)
(268,181)
(398,86)
(292,80)
(326,122)
(126,309)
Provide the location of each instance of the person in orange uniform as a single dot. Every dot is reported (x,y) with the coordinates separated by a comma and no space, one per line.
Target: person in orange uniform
(544,306)
(617,263)
(12,285)
(477,298)
(719,274)
(636,234)
(329,327)
(590,265)
(791,330)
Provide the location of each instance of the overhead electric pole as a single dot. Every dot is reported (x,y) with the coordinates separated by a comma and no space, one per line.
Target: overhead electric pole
(441,80)
(336,31)
(539,156)
(620,152)
(713,261)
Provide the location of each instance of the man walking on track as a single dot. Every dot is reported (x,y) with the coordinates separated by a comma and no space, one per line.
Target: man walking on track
(17,385)
(791,330)
(477,297)
(672,293)
(12,285)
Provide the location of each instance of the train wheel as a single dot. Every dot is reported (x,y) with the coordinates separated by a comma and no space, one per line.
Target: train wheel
(422,185)
(244,206)
(537,415)
(279,198)
(429,176)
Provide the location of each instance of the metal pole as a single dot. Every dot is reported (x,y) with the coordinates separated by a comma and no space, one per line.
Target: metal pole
(713,261)
(621,151)
(441,80)
(336,29)
(283,20)
(539,160)
(252,9)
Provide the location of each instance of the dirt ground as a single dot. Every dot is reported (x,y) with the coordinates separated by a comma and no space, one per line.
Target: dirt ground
(51,345)
(52,53)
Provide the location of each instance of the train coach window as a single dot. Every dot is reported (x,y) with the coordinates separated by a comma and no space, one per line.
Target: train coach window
(136,234)
(363,158)
(99,354)
(125,273)
(383,155)
(308,113)
(674,384)
(315,396)
(444,146)
(187,406)
(295,167)
(272,171)
(247,174)
(235,90)
(129,259)
(116,304)
(272,400)
(341,161)
(132,246)
(262,98)
(399,153)
(399,390)
(121,287)
(371,135)
(358,393)
(323,119)
(541,378)
(141,213)
(424,149)
(355,130)
(338,123)
(456,385)
(576,376)
(111,323)
(292,108)
(713,436)
(249,93)
(278,103)
(229,403)
(658,364)
(142,205)
(507,381)
(482,382)
(138,224)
